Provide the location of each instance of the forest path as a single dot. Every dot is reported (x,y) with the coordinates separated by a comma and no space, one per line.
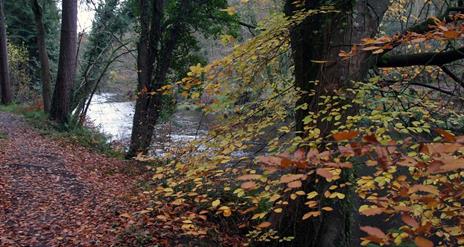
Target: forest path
(53,193)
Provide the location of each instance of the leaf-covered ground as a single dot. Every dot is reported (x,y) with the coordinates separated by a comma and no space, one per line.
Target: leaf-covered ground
(53,193)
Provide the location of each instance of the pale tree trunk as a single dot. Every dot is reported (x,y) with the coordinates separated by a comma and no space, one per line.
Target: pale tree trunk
(67,63)
(320,38)
(5,83)
(43,56)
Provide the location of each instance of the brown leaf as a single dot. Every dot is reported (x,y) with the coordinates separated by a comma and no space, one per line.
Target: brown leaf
(265,224)
(452,165)
(324,172)
(269,160)
(249,177)
(370,139)
(295,184)
(372,211)
(450,34)
(248,185)
(423,242)
(346,135)
(285,163)
(409,220)
(300,154)
(290,177)
(311,214)
(424,188)
(374,231)
(446,135)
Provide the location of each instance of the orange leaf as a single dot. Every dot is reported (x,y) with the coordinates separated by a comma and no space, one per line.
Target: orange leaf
(285,163)
(295,184)
(370,139)
(346,135)
(424,188)
(373,231)
(249,177)
(324,172)
(311,214)
(446,135)
(451,34)
(265,224)
(248,185)
(273,161)
(409,220)
(422,242)
(290,177)
(452,165)
(372,211)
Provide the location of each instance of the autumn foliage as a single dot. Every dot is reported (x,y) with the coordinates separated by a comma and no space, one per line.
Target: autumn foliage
(390,155)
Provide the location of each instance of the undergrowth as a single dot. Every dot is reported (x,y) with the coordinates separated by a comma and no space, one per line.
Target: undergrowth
(73,132)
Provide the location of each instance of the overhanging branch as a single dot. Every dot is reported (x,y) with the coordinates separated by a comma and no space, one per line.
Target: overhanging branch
(428,58)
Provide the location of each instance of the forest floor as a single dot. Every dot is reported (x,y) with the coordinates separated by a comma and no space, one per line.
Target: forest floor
(54,193)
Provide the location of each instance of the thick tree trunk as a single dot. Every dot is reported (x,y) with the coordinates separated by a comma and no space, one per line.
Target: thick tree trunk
(151,79)
(145,112)
(5,84)
(67,63)
(320,38)
(43,56)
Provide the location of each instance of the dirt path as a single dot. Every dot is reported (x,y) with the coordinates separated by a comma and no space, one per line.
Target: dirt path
(53,193)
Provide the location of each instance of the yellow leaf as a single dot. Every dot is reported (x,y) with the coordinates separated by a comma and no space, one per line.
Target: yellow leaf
(226,211)
(300,193)
(293,196)
(274,198)
(230,10)
(216,203)
(312,195)
(125,215)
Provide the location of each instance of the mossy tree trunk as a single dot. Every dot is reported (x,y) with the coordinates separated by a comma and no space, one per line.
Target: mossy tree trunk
(43,56)
(5,83)
(320,38)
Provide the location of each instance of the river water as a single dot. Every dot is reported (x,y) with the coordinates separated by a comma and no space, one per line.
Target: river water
(115,120)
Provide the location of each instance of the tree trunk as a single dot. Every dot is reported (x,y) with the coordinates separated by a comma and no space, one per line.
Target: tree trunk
(320,38)
(5,84)
(66,64)
(43,55)
(151,79)
(143,123)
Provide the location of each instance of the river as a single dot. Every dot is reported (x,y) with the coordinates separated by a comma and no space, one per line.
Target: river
(114,119)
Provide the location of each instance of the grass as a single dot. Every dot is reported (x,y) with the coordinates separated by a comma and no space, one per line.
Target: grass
(72,132)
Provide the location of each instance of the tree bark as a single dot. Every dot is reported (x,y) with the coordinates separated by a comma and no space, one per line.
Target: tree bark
(320,38)
(145,111)
(66,64)
(43,56)
(426,59)
(5,83)
(152,49)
